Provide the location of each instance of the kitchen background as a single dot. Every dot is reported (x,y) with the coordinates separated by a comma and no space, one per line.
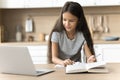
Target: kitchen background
(103,17)
(99,18)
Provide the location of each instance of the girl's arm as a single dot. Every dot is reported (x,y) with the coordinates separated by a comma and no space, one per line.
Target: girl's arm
(55,58)
(90,57)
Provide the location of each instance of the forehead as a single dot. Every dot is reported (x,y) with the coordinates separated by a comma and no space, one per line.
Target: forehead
(68,15)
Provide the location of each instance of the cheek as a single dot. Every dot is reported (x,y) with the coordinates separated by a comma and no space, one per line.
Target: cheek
(63,23)
(74,25)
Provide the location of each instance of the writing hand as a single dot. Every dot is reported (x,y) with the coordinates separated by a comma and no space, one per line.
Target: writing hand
(91,59)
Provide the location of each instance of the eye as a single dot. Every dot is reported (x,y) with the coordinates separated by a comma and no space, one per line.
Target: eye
(64,19)
(72,20)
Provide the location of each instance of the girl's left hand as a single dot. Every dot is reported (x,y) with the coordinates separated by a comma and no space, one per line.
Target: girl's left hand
(91,59)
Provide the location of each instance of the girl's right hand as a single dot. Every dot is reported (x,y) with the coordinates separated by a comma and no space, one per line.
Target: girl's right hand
(67,62)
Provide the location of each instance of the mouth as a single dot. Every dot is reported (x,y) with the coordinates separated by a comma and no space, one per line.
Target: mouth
(68,27)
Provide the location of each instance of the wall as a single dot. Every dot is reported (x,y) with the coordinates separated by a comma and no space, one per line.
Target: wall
(113,15)
(0,25)
(0,16)
(44,19)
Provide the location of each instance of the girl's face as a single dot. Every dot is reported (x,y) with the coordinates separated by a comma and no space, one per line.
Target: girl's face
(69,21)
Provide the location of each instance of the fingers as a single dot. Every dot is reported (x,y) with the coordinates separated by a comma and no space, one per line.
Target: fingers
(91,59)
(68,62)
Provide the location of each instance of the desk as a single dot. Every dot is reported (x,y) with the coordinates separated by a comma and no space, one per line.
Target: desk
(59,74)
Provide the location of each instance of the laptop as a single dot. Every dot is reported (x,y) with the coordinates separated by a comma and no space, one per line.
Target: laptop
(17,60)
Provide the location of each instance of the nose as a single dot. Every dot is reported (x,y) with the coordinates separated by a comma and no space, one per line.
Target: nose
(67,23)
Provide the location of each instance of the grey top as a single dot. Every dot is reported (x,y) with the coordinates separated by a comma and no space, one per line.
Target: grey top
(68,48)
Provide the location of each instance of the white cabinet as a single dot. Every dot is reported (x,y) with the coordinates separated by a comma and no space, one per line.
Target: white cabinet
(98,52)
(11,3)
(106,52)
(54,3)
(39,54)
(107,2)
(60,3)
(38,3)
(86,3)
(109,52)
(25,3)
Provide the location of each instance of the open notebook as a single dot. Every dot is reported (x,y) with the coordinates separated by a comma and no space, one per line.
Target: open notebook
(99,67)
(17,60)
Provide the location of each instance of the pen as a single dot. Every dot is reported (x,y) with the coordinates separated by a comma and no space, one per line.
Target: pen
(93,56)
(97,55)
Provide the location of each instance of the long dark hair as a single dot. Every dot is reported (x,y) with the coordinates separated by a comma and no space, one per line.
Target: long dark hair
(75,9)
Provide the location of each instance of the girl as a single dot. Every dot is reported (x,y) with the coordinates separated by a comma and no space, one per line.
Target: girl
(69,35)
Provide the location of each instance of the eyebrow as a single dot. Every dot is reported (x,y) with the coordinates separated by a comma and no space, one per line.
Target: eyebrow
(70,19)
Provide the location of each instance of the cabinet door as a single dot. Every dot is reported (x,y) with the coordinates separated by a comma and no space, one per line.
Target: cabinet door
(110,52)
(98,52)
(39,54)
(86,3)
(60,3)
(38,3)
(107,2)
(11,3)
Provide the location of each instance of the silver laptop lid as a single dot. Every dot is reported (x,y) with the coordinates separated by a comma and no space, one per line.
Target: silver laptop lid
(16,60)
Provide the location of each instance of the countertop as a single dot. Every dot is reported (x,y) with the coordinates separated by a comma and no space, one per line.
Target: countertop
(45,43)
